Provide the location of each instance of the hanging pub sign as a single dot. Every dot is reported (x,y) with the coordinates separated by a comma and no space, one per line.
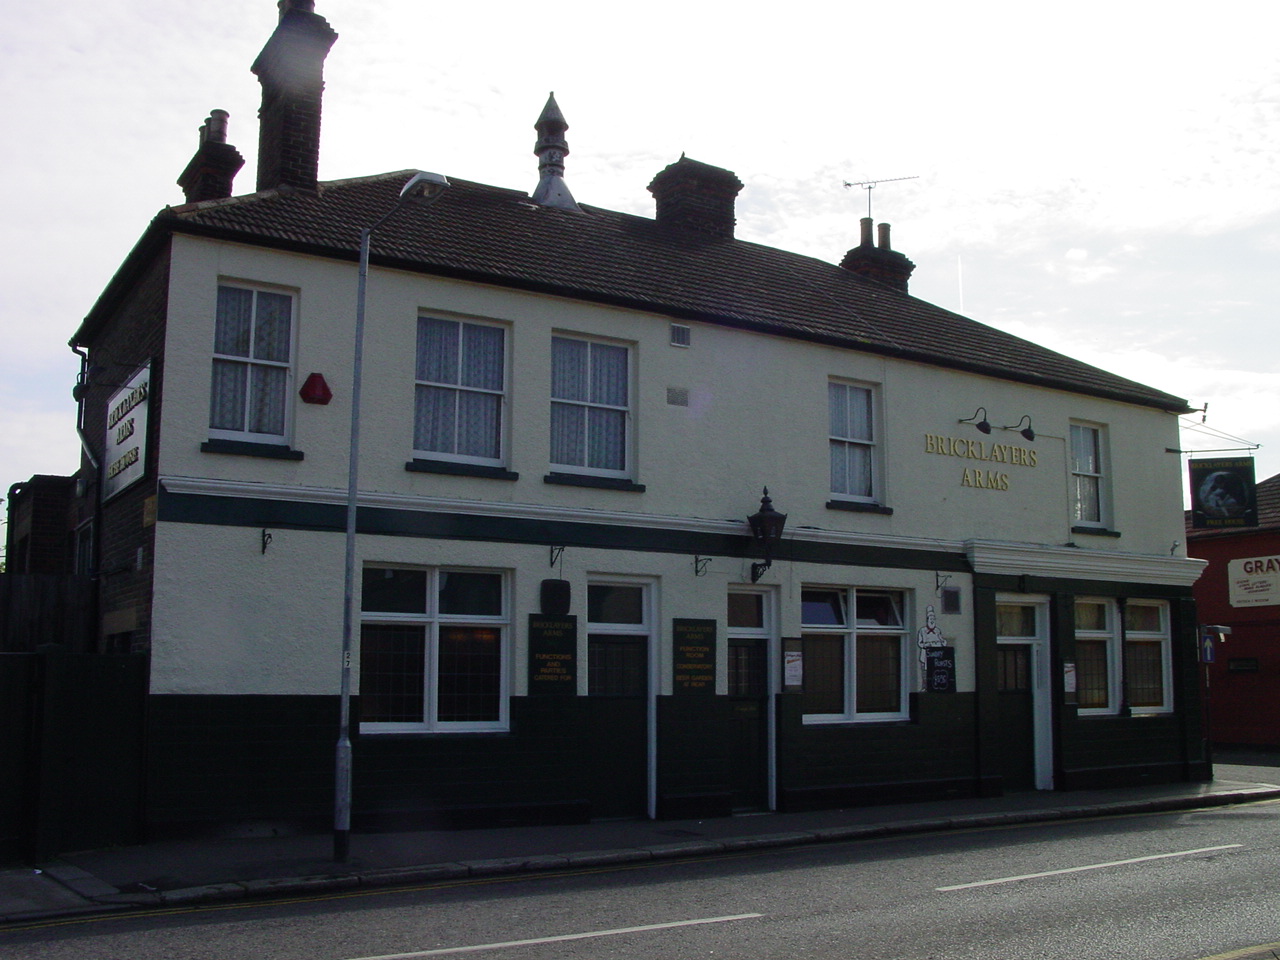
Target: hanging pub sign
(553,656)
(694,656)
(1223,495)
(126,440)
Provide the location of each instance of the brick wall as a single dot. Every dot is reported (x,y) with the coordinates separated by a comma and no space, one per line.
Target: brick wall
(132,337)
(39,534)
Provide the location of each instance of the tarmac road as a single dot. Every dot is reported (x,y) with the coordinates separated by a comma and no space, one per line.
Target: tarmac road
(1176,886)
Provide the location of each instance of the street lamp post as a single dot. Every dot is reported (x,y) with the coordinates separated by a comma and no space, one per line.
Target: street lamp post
(428,186)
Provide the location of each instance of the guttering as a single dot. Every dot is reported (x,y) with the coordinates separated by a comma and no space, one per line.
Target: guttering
(82,384)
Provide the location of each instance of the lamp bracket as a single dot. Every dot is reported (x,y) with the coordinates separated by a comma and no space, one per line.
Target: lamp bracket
(556,553)
(700,566)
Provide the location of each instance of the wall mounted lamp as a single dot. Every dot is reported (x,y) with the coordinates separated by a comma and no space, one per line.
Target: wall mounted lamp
(766,528)
(1025,431)
(983,425)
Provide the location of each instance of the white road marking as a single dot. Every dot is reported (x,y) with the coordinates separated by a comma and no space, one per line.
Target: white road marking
(476,948)
(1091,866)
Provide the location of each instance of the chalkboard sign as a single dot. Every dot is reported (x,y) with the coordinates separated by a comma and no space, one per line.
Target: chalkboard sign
(553,656)
(940,669)
(694,656)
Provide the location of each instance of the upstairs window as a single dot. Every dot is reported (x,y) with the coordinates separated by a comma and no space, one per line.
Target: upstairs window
(1088,489)
(851,415)
(459,391)
(252,373)
(590,406)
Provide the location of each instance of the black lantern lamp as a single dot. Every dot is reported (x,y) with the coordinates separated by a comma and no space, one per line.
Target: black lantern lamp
(766,528)
(983,424)
(1026,430)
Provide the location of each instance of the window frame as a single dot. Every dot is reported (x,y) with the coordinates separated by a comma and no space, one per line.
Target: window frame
(585,469)
(1097,477)
(432,621)
(283,438)
(871,444)
(459,389)
(765,636)
(645,630)
(1117,639)
(1164,639)
(850,632)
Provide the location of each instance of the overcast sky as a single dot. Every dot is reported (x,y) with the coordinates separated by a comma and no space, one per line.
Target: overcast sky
(1098,177)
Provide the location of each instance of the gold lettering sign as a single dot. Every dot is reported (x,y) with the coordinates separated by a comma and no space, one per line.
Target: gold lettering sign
(553,655)
(981,478)
(694,656)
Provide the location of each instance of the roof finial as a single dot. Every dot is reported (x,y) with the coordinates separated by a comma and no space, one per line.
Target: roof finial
(551,149)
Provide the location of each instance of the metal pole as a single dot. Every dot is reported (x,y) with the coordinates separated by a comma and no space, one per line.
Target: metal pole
(421,185)
(342,791)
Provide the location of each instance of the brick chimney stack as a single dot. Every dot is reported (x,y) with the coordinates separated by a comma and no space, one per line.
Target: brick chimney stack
(211,171)
(882,264)
(697,197)
(291,71)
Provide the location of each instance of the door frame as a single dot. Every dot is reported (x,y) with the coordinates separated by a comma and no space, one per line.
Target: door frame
(770,633)
(1041,682)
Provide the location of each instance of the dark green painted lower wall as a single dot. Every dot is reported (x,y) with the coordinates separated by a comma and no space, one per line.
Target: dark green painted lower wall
(257,763)
(929,757)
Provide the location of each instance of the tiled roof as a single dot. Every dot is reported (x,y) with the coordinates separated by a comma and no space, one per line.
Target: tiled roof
(1269,502)
(499,236)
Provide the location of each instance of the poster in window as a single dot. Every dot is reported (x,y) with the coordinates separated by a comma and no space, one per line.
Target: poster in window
(693,657)
(553,656)
(1223,494)
(793,665)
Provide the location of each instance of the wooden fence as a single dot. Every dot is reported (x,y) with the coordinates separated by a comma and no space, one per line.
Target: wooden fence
(40,609)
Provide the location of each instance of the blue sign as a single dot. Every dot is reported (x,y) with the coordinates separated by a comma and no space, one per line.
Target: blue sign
(1207,652)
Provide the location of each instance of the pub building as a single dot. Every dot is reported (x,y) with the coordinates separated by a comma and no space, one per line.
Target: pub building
(653,521)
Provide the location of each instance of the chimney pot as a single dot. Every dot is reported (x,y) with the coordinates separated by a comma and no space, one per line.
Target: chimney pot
(306,6)
(215,127)
(212,170)
(884,236)
(867,223)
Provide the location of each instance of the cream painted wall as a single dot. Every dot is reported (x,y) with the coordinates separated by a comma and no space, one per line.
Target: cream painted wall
(281,634)
(757,414)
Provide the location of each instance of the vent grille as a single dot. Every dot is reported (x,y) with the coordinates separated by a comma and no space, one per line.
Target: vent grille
(677,396)
(681,336)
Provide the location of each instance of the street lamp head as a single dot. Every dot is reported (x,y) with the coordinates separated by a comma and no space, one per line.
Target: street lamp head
(424,184)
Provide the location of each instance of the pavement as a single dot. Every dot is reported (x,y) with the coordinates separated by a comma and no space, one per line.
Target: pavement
(195,872)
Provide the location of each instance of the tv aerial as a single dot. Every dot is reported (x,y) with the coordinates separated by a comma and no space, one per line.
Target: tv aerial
(869,185)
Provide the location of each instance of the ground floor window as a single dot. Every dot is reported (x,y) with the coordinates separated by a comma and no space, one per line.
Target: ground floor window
(1123,656)
(433,649)
(854,662)
(618,638)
